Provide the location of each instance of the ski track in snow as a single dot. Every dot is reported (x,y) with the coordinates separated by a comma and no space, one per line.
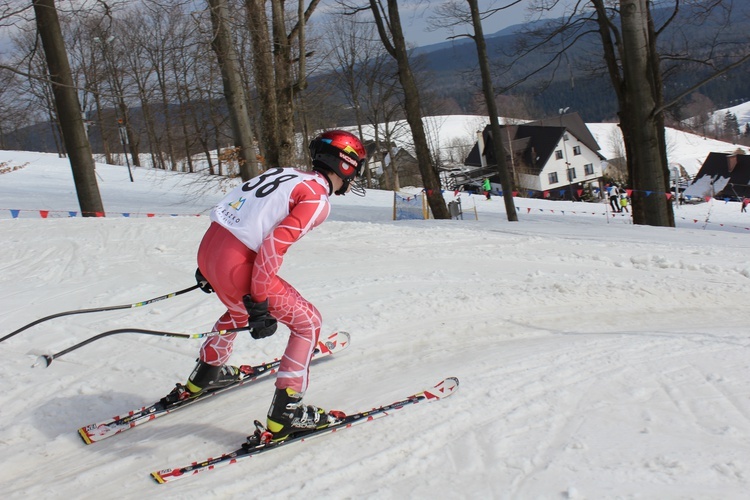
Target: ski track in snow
(596,360)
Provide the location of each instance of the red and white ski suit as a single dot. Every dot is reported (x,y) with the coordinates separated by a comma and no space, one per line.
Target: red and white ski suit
(242,251)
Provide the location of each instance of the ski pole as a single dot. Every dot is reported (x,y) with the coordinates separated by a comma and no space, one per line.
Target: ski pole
(46,359)
(99,309)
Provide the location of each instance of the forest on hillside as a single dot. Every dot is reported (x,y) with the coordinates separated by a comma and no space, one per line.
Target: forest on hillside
(150,62)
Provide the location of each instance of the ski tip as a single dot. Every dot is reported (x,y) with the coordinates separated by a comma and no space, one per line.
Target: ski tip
(157,477)
(335,342)
(84,435)
(345,336)
(448,384)
(166,475)
(443,389)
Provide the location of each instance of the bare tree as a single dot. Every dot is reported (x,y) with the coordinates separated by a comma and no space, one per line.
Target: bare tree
(275,54)
(475,17)
(618,165)
(37,85)
(69,109)
(383,108)
(257,22)
(234,89)
(12,115)
(355,59)
(698,113)
(635,67)
(388,21)
(113,53)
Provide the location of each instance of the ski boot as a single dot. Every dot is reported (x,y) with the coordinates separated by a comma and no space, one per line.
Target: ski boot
(288,415)
(205,378)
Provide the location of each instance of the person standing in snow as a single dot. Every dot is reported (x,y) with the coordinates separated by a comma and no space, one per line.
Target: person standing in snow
(624,202)
(745,202)
(614,198)
(487,188)
(239,258)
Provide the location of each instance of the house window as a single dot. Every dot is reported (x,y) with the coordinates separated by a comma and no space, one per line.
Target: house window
(558,154)
(553,178)
(576,150)
(589,169)
(571,174)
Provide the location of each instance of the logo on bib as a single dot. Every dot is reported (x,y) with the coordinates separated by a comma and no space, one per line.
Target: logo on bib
(237,204)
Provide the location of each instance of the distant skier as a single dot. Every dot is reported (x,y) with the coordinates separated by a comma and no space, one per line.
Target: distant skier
(624,202)
(487,188)
(239,257)
(614,198)
(745,202)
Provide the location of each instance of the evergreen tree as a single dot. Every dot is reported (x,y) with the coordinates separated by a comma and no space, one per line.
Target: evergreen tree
(731,125)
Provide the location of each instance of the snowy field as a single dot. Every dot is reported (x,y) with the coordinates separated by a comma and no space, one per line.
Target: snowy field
(597,359)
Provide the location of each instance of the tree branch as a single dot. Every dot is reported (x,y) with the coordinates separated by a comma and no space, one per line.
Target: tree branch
(695,87)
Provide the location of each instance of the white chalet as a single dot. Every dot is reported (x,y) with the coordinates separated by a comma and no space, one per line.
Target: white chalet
(553,158)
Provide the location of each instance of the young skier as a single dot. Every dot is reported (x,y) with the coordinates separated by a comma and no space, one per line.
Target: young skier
(239,257)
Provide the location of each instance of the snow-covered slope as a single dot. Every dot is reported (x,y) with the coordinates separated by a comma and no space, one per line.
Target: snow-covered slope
(597,359)
(683,148)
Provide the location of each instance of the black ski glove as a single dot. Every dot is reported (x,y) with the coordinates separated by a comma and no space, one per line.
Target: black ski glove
(203,282)
(258,312)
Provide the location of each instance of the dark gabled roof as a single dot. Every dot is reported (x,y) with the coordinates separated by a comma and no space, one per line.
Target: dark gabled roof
(535,145)
(542,143)
(728,165)
(370,148)
(536,140)
(575,125)
(517,146)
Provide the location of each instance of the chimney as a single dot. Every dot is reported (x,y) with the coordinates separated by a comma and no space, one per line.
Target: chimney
(731,162)
(480,146)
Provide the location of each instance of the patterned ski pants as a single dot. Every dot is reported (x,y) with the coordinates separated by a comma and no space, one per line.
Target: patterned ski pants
(227,264)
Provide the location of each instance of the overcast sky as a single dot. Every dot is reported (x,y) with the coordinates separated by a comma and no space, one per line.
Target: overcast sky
(415,15)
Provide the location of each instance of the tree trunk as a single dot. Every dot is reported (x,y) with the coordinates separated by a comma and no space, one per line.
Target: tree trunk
(412,105)
(234,91)
(103,130)
(282,55)
(489,97)
(650,205)
(68,109)
(658,86)
(264,80)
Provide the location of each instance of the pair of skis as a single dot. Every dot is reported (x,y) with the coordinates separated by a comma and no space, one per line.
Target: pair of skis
(259,442)
(92,433)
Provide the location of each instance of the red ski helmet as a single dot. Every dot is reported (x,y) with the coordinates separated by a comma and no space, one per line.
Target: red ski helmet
(340,152)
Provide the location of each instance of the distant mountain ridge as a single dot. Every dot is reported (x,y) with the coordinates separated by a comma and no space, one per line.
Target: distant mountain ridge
(507,31)
(453,67)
